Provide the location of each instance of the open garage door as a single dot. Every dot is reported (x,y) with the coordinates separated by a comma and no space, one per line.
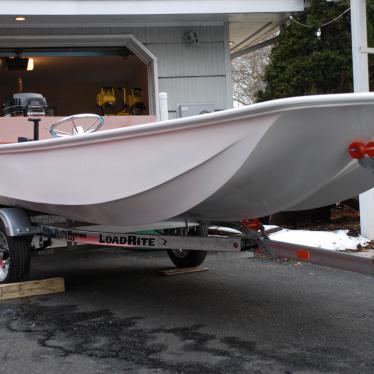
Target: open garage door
(111,81)
(82,74)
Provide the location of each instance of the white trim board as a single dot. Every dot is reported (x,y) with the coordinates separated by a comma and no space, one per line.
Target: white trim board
(142,7)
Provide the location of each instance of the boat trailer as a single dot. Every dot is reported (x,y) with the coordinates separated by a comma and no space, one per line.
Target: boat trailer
(17,232)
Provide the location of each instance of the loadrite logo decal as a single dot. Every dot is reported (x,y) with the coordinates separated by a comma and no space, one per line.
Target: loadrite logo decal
(130,240)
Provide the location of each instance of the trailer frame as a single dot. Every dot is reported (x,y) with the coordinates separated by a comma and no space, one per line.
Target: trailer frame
(17,224)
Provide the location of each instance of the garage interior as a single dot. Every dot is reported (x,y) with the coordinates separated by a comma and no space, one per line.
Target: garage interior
(71,78)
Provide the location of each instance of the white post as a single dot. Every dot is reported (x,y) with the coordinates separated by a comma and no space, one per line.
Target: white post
(164,115)
(359,41)
(361,84)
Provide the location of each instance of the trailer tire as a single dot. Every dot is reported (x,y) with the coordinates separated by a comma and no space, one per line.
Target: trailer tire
(182,258)
(15,258)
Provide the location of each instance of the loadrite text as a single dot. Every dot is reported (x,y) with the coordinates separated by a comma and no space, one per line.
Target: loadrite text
(129,240)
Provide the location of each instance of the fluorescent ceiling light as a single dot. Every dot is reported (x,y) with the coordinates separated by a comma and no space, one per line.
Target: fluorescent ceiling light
(30,64)
(20,18)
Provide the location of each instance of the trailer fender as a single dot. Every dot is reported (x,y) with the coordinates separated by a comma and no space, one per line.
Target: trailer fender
(16,222)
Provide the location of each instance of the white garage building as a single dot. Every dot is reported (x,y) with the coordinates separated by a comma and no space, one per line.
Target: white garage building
(181,47)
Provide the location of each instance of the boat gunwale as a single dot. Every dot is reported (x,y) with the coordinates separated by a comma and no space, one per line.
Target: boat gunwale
(217,118)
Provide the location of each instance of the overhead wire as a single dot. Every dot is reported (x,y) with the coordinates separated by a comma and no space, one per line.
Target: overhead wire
(324,24)
(318,28)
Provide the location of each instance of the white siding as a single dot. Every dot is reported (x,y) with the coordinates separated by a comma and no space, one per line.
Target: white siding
(179,60)
(191,74)
(153,35)
(166,35)
(195,90)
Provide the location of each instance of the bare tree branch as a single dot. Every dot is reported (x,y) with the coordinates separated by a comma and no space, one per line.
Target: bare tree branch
(247,75)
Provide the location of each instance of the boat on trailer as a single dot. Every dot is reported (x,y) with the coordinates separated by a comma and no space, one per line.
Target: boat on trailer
(287,154)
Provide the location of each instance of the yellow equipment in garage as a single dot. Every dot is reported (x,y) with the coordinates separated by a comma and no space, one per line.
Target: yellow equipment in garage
(119,102)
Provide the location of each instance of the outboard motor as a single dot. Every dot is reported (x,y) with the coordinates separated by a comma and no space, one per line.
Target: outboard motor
(25,104)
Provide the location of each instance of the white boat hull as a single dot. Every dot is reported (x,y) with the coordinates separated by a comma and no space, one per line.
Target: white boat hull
(283,155)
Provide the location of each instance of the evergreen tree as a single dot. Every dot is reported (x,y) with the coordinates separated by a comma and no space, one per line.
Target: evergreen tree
(303,63)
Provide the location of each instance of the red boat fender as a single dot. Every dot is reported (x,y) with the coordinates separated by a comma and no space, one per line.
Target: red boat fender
(358,149)
(370,149)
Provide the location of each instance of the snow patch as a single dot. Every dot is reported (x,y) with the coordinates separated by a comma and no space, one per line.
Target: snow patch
(334,240)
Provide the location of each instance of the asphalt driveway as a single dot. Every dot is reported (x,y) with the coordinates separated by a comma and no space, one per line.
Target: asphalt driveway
(242,316)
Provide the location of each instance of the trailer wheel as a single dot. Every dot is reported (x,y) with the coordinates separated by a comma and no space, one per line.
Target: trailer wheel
(14,258)
(184,258)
